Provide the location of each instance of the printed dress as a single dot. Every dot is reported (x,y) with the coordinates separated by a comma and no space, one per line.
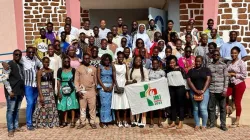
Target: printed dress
(120,101)
(106,97)
(47,115)
(68,102)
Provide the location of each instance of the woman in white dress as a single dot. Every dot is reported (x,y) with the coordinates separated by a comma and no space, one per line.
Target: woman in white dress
(119,98)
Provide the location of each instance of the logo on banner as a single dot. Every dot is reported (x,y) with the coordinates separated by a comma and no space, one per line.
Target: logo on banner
(151,94)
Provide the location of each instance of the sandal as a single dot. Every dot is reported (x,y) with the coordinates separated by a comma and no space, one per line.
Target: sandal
(171,125)
(151,125)
(203,128)
(160,125)
(63,125)
(104,126)
(93,126)
(180,126)
(196,128)
(80,126)
(72,125)
(234,125)
(11,134)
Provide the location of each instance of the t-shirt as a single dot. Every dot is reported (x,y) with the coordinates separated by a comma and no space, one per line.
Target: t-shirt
(199,76)
(42,46)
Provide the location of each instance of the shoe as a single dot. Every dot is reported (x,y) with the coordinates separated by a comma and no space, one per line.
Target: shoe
(134,124)
(151,125)
(235,125)
(72,125)
(223,128)
(93,126)
(141,125)
(104,126)
(160,125)
(11,133)
(120,124)
(30,128)
(211,126)
(80,126)
(63,125)
(19,130)
(125,124)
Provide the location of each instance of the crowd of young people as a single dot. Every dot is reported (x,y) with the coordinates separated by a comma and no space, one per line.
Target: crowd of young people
(78,74)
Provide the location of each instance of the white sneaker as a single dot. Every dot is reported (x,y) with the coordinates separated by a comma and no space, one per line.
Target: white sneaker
(134,124)
(120,124)
(125,123)
(141,125)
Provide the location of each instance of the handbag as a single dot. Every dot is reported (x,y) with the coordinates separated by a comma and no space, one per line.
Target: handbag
(198,98)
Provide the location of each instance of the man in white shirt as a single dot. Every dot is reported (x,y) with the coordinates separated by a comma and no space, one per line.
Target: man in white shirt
(74,30)
(88,32)
(103,31)
(116,37)
(104,49)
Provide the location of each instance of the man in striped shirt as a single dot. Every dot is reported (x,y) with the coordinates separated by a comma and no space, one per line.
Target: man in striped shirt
(30,65)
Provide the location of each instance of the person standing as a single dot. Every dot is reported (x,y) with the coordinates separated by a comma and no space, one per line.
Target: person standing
(225,49)
(50,34)
(187,61)
(13,80)
(103,31)
(55,63)
(178,51)
(119,98)
(111,45)
(41,44)
(104,49)
(123,46)
(127,56)
(154,74)
(237,73)
(86,30)
(173,38)
(152,29)
(194,31)
(57,48)
(177,82)
(116,38)
(141,33)
(157,37)
(198,79)
(86,82)
(189,31)
(119,25)
(210,25)
(166,35)
(95,59)
(138,74)
(127,36)
(218,89)
(64,44)
(209,56)
(215,37)
(67,96)
(45,114)
(82,44)
(134,28)
(74,31)
(91,45)
(75,62)
(202,50)
(106,77)
(97,37)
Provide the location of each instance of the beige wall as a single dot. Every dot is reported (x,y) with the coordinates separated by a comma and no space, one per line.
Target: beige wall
(8,27)
(8,37)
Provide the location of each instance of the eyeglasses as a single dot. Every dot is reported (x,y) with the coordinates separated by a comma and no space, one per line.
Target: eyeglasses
(31,52)
(17,54)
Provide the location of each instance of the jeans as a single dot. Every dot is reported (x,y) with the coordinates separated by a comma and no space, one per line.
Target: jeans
(31,94)
(177,95)
(200,107)
(214,98)
(12,113)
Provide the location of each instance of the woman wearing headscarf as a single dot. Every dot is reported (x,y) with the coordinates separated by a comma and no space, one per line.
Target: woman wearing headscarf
(141,33)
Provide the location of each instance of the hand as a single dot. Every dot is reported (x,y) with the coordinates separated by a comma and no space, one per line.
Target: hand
(110,89)
(105,89)
(5,65)
(231,74)
(80,95)
(187,95)
(134,81)
(12,95)
(41,99)
(59,96)
(224,94)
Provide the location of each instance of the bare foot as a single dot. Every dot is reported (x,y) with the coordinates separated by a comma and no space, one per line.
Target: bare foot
(172,125)
(203,128)
(180,125)
(196,128)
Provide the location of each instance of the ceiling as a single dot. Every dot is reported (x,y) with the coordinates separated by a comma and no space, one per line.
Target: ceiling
(122,4)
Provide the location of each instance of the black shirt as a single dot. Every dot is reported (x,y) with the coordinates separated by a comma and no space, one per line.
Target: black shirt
(199,76)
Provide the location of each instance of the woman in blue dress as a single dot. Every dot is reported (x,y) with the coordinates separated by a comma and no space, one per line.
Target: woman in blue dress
(106,79)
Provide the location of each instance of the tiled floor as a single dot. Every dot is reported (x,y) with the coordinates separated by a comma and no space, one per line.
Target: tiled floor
(114,133)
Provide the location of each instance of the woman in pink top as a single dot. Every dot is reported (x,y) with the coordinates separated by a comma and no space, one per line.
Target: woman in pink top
(75,62)
(187,61)
(237,72)
(173,38)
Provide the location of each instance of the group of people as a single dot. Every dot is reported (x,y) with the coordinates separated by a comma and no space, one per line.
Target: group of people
(76,74)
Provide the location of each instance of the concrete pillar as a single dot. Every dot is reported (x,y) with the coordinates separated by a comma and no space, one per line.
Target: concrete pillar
(73,11)
(210,11)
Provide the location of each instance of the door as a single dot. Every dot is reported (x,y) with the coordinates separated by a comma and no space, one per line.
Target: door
(160,17)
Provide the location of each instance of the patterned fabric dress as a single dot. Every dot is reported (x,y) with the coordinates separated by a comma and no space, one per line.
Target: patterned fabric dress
(68,102)
(47,115)
(106,97)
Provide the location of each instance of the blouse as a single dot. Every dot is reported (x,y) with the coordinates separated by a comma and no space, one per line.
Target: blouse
(156,74)
(137,75)
(198,76)
(239,67)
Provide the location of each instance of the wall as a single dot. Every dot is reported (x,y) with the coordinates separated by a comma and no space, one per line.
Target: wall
(174,12)
(111,16)
(8,37)
(38,12)
(191,9)
(234,15)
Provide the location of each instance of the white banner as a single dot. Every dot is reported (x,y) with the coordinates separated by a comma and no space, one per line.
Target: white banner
(148,96)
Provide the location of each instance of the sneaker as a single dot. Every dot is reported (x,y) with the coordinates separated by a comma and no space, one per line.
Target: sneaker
(141,125)
(11,134)
(223,128)
(134,124)
(30,128)
(125,124)
(120,124)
